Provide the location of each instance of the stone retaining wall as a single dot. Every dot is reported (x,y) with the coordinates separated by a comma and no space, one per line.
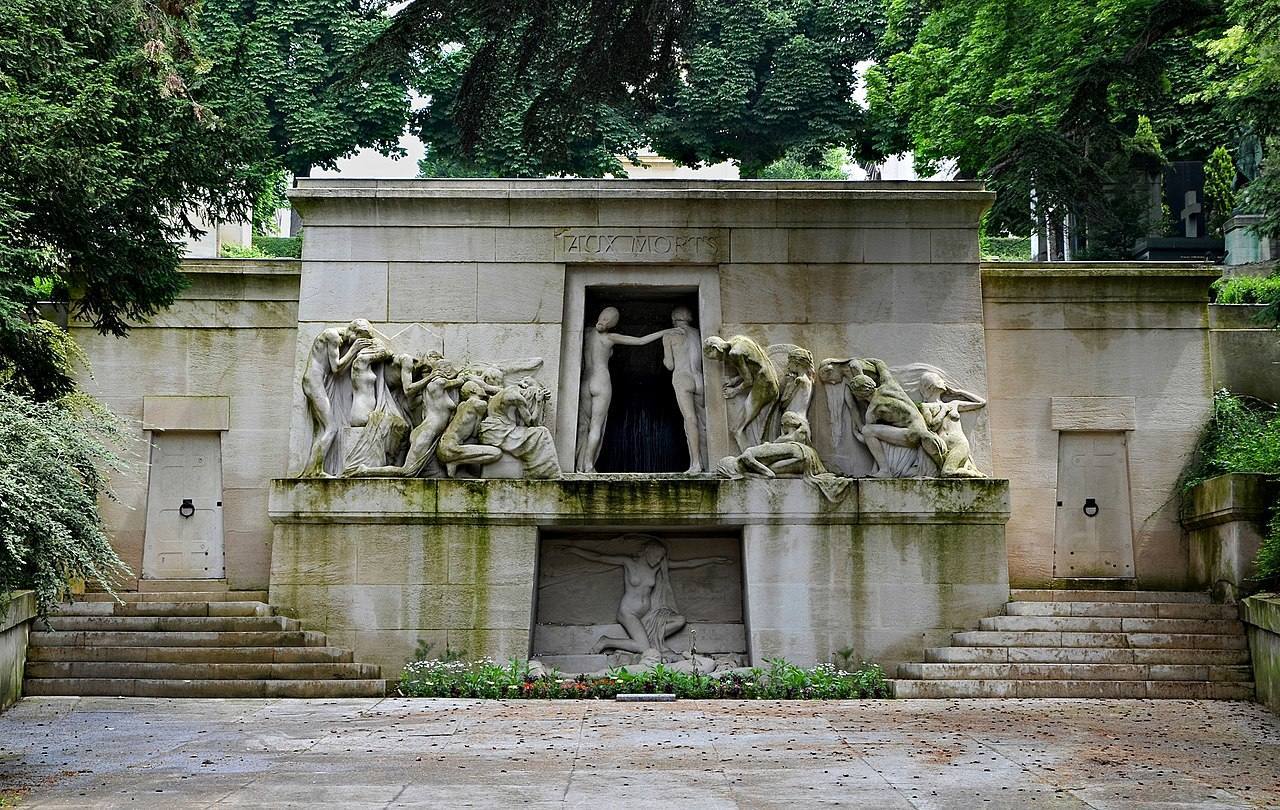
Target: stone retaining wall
(1262,619)
(15,625)
(1224,523)
(384,565)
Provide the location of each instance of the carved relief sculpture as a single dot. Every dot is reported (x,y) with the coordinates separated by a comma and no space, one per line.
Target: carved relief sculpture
(943,418)
(794,365)
(457,448)
(750,382)
(647,611)
(377,423)
(514,424)
(597,385)
(891,417)
(682,356)
(791,454)
(326,361)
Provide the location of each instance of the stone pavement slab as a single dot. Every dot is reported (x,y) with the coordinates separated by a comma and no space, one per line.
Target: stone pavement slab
(921,754)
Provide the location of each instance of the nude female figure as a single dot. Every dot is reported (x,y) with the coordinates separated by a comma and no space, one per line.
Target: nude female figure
(647,610)
(326,361)
(943,419)
(364,382)
(597,391)
(682,356)
(437,410)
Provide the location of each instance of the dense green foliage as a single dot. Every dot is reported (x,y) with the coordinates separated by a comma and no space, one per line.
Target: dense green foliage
(514,681)
(1247,289)
(1219,194)
(266,247)
(1242,436)
(285,71)
(1005,248)
(529,89)
(54,457)
(104,157)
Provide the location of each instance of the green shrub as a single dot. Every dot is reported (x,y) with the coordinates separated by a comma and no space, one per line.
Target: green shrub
(279,247)
(515,681)
(54,458)
(1247,289)
(1005,248)
(241,252)
(1242,436)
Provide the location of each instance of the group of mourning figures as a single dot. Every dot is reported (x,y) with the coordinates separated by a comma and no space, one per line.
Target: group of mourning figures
(376,412)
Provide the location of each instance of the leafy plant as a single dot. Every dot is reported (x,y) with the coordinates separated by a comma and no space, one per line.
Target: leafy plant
(230,251)
(54,461)
(779,681)
(1219,180)
(1242,436)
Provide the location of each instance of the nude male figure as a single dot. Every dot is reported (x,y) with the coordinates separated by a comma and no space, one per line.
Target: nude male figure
(454,448)
(682,356)
(892,417)
(749,374)
(597,392)
(327,360)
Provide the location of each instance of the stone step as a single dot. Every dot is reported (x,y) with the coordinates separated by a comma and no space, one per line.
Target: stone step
(282,638)
(1155,690)
(1075,672)
(166,609)
(1096,624)
(1085,655)
(1005,638)
(146,687)
(195,655)
(175,596)
(173,624)
(202,672)
(1047,595)
(1146,610)
(160,585)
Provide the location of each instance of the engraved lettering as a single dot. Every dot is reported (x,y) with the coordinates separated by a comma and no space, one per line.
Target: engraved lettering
(662,244)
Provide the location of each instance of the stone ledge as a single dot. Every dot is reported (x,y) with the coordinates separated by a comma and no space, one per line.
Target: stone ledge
(635,499)
(1227,498)
(21,608)
(1262,611)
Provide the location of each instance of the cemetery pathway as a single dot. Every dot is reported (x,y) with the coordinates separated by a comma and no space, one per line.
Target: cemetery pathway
(136,752)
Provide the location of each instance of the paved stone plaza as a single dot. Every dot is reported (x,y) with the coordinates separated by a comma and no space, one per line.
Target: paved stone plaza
(100,752)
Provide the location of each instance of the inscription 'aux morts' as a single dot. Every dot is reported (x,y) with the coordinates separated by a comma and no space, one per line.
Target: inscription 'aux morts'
(663,246)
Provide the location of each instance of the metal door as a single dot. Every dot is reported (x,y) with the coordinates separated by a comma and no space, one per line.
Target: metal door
(1093,535)
(184,507)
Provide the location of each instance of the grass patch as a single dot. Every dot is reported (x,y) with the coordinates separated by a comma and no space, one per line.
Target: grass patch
(514,681)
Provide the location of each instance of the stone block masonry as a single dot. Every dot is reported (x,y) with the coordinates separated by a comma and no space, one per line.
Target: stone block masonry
(394,568)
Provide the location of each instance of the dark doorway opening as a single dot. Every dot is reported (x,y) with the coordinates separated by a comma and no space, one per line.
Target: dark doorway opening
(644,432)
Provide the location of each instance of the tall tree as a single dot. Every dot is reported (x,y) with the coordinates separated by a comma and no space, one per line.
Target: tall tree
(105,155)
(1042,97)
(290,72)
(540,88)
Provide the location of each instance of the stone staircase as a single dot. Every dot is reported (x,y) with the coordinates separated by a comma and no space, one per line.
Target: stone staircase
(1092,644)
(165,643)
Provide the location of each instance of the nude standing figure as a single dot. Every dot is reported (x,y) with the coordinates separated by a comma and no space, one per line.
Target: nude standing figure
(326,361)
(682,355)
(597,392)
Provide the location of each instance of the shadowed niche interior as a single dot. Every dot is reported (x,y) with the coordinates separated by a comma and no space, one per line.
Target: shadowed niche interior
(644,432)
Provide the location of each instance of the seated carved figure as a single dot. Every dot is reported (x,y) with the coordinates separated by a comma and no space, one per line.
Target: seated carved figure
(514,424)
(891,417)
(791,453)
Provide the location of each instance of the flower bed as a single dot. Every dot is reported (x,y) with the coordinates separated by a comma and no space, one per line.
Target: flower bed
(515,681)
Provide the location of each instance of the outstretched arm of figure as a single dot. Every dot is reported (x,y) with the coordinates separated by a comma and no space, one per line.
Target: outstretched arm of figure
(965,400)
(631,340)
(698,562)
(595,556)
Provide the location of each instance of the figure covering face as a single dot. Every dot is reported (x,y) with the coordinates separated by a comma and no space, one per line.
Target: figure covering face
(332,353)
(943,418)
(514,424)
(791,454)
(750,381)
(682,356)
(647,612)
(597,385)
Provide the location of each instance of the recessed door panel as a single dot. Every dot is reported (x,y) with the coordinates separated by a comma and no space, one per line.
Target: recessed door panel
(1093,535)
(184,507)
